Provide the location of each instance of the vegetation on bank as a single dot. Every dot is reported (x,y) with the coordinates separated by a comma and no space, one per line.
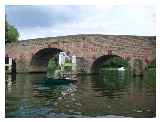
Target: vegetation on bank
(53,66)
(68,66)
(115,62)
(152,65)
(11,33)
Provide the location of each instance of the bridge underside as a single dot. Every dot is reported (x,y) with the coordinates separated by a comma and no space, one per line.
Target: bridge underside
(99,63)
(39,63)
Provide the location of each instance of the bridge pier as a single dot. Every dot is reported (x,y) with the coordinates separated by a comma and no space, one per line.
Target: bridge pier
(137,67)
(22,67)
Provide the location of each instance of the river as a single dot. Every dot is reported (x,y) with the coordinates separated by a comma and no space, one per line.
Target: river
(111,94)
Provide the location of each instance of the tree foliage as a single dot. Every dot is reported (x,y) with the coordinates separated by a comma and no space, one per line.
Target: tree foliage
(52,65)
(68,66)
(11,33)
(115,62)
(152,64)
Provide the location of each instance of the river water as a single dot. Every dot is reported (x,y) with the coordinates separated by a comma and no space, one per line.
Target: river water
(111,94)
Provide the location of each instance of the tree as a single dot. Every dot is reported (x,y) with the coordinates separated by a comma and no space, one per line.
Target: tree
(11,33)
(68,66)
(52,67)
(115,62)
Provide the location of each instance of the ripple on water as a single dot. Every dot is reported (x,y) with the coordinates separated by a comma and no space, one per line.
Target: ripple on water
(90,96)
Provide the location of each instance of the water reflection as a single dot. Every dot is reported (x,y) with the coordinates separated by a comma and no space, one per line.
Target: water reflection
(109,85)
(111,94)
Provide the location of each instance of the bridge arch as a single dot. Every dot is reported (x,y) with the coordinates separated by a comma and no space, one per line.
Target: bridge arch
(99,62)
(87,48)
(39,61)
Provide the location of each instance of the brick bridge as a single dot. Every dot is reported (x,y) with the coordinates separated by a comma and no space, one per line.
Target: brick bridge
(91,50)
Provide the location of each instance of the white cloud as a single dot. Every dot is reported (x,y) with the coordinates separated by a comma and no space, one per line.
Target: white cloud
(126,20)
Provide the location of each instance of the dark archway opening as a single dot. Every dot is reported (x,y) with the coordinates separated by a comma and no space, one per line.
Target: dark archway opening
(107,78)
(108,61)
(40,60)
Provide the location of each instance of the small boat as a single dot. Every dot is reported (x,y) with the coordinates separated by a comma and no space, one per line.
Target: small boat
(121,69)
(51,81)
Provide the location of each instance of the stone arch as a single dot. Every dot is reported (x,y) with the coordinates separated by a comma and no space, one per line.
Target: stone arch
(39,61)
(99,62)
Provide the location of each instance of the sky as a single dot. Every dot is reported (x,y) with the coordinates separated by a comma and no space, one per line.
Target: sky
(50,21)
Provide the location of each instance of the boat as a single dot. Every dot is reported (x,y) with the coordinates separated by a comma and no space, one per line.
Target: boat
(51,81)
(121,69)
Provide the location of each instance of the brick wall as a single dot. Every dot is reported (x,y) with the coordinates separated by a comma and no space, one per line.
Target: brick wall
(86,47)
